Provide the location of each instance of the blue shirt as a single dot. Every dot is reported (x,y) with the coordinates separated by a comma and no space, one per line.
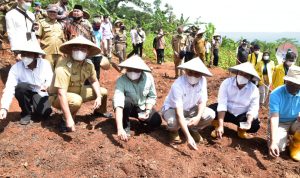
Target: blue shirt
(98,37)
(285,104)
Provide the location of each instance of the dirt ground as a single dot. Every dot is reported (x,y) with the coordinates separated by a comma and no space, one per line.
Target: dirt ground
(40,150)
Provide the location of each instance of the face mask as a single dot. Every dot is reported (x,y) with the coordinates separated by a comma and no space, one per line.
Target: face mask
(244,47)
(256,52)
(26,5)
(96,28)
(27,60)
(133,75)
(289,63)
(193,80)
(76,18)
(241,80)
(78,55)
(266,58)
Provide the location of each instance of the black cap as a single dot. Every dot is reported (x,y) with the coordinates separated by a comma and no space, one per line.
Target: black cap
(256,46)
(77,6)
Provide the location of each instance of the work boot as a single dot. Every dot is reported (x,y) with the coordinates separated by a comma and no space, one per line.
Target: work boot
(174,136)
(295,146)
(195,134)
(214,123)
(25,120)
(243,134)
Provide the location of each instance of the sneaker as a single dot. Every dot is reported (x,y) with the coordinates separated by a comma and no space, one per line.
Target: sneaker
(174,136)
(25,120)
(197,137)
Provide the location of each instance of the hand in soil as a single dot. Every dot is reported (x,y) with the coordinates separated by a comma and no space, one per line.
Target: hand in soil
(70,125)
(220,131)
(3,114)
(97,103)
(122,135)
(192,143)
(274,150)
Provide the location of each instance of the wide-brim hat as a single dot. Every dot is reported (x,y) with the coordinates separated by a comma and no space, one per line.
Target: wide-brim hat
(200,31)
(93,50)
(196,65)
(30,46)
(293,75)
(217,34)
(247,68)
(135,62)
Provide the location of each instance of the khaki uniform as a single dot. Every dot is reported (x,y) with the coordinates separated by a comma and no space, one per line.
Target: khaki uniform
(71,75)
(42,14)
(6,5)
(179,43)
(51,36)
(199,45)
(120,42)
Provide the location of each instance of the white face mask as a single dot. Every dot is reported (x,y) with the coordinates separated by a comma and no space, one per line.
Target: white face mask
(26,5)
(193,80)
(289,63)
(27,60)
(78,55)
(266,57)
(256,52)
(241,80)
(133,75)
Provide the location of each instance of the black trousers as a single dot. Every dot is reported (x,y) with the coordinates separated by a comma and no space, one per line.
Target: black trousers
(96,61)
(216,57)
(237,119)
(134,51)
(131,110)
(188,56)
(139,48)
(28,99)
(160,55)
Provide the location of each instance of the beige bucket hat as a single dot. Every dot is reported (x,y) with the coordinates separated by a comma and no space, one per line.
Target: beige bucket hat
(135,62)
(293,75)
(30,46)
(196,65)
(93,50)
(246,67)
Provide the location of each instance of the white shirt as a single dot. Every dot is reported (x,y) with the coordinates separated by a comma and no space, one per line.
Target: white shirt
(132,35)
(138,38)
(106,29)
(39,76)
(238,101)
(17,27)
(207,47)
(183,94)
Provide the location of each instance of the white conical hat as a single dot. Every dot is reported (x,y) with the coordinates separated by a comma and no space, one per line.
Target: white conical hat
(135,62)
(246,67)
(196,65)
(30,46)
(92,48)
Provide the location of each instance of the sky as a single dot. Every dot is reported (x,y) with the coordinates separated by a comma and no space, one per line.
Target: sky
(242,15)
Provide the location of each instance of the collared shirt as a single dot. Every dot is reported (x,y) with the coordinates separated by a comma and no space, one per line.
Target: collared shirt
(207,47)
(17,27)
(132,35)
(183,94)
(238,101)
(179,42)
(106,29)
(143,92)
(140,36)
(51,34)
(285,104)
(81,27)
(38,77)
(98,39)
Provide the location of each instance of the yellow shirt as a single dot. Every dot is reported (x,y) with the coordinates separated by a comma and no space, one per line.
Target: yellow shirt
(279,73)
(270,69)
(252,58)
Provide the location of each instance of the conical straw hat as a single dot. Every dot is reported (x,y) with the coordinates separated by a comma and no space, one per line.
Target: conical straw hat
(30,46)
(246,67)
(80,40)
(196,65)
(135,62)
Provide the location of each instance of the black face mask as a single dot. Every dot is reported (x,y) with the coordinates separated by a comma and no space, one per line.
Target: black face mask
(76,18)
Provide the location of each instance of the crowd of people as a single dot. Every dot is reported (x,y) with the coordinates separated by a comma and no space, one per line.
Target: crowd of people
(59,54)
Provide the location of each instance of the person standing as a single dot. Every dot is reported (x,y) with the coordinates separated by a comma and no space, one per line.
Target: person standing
(120,43)
(39,13)
(265,69)
(243,52)
(284,122)
(21,26)
(179,43)
(207,49)
(51,35)
(199,45)
(216,43)
(63,12)
(132,36)
(140,38)
(255,56)
(107,36)
(28,80)
(4,8)
(159,45)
